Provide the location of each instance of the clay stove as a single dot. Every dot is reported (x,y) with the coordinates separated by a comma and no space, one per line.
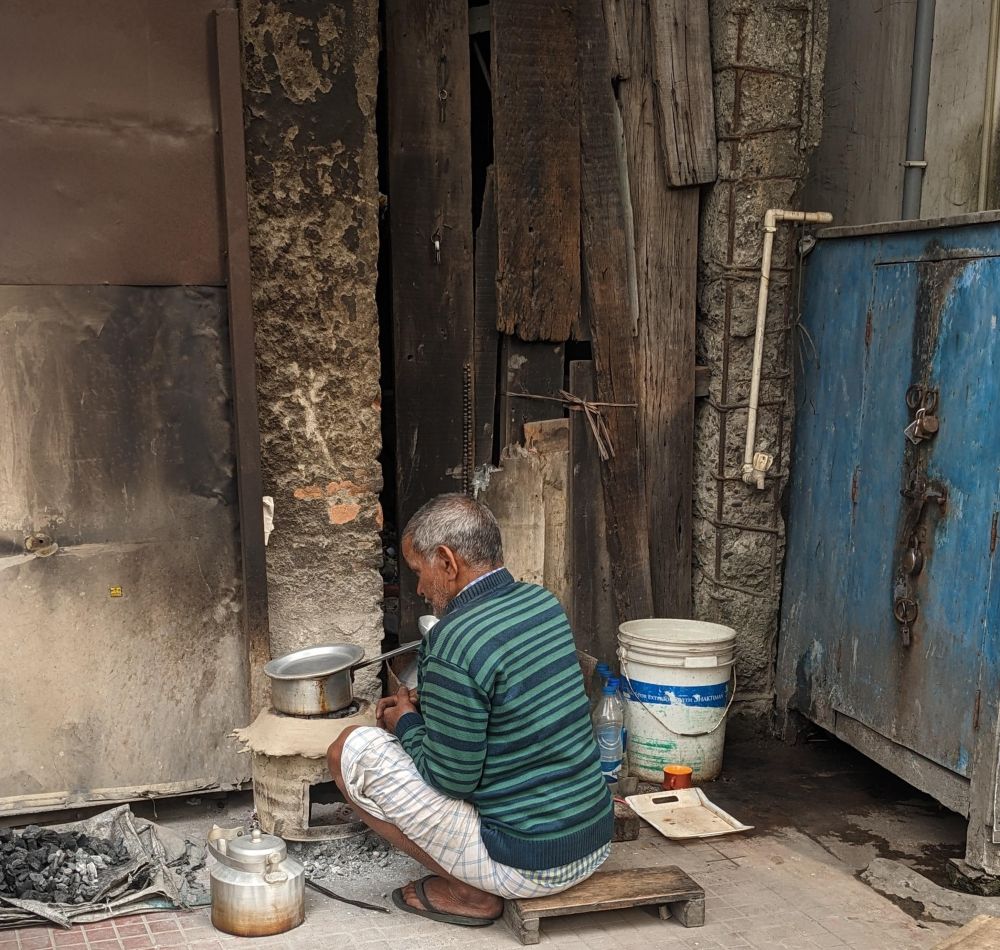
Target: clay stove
(293,794)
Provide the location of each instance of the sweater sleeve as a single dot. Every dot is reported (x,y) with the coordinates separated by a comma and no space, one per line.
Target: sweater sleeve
(447,739)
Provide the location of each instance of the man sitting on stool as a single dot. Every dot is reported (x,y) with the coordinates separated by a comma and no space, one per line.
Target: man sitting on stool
(493,779)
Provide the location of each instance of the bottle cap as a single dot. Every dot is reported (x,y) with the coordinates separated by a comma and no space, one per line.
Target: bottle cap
(603,668)
(609,688)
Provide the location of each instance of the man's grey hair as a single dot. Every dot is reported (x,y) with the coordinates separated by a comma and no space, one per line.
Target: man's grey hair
(458,522)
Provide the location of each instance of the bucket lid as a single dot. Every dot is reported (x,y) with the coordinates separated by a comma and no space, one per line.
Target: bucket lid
(694,632)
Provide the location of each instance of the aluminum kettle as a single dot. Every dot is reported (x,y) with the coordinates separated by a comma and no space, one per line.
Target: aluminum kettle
(257,889)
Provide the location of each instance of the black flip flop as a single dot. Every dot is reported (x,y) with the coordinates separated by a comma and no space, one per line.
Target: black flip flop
(459,920)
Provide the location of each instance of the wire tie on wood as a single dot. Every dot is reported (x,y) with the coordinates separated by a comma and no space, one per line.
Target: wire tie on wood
(592,412)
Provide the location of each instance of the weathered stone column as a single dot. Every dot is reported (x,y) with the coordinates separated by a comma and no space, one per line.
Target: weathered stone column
(768,58)
(311,70)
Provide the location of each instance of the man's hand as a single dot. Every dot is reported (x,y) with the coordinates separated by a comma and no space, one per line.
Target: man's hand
(387,702)
(392,708)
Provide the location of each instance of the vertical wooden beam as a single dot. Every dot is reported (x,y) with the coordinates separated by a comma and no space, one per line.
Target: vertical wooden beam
(681,54)
(430,207)
(243,356)
(487,337)
(666,236)
(592,602)
(607,301)
(615,18)
(536,137)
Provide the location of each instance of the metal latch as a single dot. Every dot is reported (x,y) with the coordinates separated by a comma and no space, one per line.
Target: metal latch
(905,610)
(923,400)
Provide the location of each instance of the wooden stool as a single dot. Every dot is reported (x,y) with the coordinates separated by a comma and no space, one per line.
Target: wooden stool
(669,889)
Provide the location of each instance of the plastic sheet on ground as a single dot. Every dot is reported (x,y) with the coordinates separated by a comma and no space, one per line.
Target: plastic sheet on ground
(158,875)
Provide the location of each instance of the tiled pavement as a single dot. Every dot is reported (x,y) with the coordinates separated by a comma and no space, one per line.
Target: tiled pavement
(765,891)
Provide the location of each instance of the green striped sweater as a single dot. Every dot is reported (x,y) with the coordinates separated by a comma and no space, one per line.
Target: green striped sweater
(504,723)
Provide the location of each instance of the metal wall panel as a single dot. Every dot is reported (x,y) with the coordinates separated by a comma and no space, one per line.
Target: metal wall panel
(124,658)
(887,311)
(109,166)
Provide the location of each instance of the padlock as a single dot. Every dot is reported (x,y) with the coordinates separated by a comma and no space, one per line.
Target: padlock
(924,426)
(927,424)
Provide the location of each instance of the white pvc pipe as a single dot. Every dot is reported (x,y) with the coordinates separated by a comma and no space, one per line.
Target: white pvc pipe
(755,475)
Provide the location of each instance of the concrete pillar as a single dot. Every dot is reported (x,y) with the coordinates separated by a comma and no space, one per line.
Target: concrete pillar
(310,77)
(768,64)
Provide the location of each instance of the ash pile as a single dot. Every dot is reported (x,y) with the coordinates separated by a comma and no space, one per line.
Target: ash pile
(106,866)
(363,867)
(40,864)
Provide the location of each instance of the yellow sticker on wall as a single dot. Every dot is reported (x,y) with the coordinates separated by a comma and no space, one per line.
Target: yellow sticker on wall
(115,592)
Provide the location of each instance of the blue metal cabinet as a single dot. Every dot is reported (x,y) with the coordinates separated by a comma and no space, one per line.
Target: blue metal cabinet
(891,611)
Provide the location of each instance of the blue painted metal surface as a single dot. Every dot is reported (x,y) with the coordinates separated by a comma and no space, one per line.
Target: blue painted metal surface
(885,312)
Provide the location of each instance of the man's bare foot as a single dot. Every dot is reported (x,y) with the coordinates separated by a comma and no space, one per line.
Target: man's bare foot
(454,898)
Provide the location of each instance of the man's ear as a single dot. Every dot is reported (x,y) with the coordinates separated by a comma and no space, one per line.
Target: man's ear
(448,561)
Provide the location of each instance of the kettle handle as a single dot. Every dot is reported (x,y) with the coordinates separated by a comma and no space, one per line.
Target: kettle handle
(216,843)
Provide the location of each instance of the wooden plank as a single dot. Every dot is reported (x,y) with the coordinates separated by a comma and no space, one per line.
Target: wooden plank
(549,440)
(537,147)
(249,479)
(666,356)
(487,339)
(515,495)
(592,600)
(616,20)
(606,298)
(666,224)
(535,369)
(614,890)
(680,44)
(427,61)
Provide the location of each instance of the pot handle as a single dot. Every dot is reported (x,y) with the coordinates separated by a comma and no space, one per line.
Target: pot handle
(405,648)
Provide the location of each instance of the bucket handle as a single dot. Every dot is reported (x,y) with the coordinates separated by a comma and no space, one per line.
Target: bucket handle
(687,735)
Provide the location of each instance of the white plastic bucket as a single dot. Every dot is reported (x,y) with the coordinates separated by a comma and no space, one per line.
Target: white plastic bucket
(679,682)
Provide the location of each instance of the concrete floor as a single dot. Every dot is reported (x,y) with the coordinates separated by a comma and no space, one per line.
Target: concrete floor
(821,814)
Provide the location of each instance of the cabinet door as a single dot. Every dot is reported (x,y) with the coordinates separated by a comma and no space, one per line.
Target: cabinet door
(933,325)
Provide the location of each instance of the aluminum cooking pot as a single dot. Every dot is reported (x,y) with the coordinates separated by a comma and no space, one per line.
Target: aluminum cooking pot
(320,680)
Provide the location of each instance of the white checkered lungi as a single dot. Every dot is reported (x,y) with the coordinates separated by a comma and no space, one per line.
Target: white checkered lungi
(383,780)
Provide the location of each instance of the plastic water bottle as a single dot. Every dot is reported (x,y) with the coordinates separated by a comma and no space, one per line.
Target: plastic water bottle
(608,732)
(620,700)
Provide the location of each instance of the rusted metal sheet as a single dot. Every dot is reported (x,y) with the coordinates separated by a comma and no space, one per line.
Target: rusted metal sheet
(241,340)
(125,657)
(109,163)
(891,608)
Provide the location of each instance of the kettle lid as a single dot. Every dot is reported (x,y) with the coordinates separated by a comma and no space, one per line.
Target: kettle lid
(256,847)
